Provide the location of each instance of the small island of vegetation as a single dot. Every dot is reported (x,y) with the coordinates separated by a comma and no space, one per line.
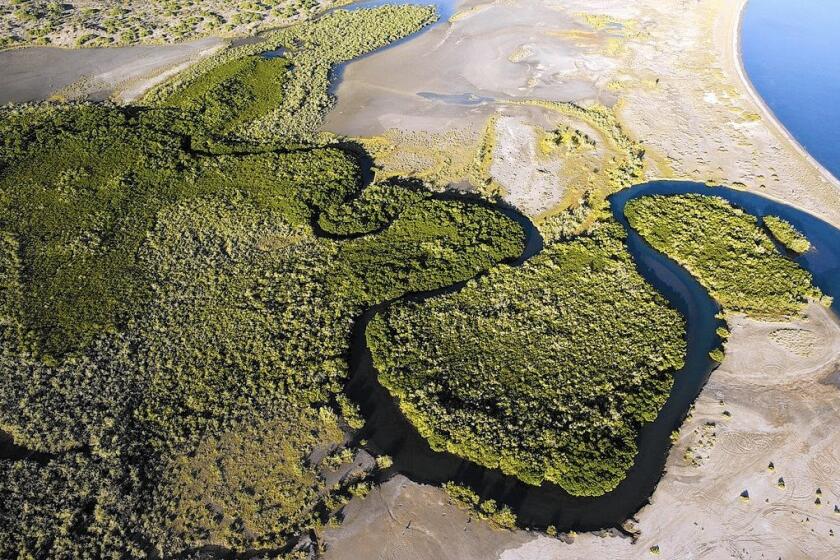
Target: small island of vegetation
(546,371)
(784,232)
(727,251)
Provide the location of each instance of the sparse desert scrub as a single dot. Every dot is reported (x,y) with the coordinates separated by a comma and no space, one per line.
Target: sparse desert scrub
(99,23)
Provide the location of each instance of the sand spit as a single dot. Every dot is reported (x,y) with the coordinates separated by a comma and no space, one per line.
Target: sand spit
(755,472)
(685,97)
(38,73)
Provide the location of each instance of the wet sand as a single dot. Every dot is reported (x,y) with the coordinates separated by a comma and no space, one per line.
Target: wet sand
(447,77)
(38,73)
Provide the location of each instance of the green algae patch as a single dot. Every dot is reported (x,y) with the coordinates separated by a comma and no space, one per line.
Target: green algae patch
(727,251)
(547,371)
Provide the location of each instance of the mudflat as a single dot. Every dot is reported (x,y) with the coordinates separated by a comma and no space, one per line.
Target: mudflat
(669,71)
(38,73)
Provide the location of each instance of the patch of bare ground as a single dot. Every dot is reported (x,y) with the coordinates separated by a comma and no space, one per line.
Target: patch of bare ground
(403,520)
(38,73)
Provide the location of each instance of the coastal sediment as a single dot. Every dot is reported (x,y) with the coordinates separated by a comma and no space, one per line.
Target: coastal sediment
(39,73)
(756,98)
(754,471)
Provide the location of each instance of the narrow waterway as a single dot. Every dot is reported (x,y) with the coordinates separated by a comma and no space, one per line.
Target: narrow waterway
(387,431)
(795,85)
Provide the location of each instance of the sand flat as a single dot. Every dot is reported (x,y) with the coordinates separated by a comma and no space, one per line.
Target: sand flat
(37,73)
(502,51)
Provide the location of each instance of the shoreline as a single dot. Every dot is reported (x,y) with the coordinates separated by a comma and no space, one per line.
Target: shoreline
(736,58)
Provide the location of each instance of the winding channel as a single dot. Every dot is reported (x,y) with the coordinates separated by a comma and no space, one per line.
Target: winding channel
(387,431)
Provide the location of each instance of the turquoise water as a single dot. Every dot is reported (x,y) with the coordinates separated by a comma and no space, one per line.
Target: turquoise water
(791,53)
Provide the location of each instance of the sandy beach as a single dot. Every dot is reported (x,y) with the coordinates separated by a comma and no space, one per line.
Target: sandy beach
(766,112)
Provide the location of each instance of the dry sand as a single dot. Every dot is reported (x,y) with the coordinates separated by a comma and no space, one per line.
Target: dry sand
(402,520)
(38,73)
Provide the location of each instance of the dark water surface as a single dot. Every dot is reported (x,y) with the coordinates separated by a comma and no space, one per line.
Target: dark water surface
(791,53)
(387,431)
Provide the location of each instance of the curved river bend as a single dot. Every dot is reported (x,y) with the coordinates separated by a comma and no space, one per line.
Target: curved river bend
(387,431)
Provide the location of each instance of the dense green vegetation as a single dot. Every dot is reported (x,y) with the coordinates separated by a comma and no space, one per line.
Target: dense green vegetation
(236,92)
(161,305)
(726,250)
(784,232)
(547,371)
(312,49)
(373,210)
(174,324)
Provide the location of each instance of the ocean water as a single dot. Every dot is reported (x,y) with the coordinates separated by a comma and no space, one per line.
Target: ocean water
(791,53)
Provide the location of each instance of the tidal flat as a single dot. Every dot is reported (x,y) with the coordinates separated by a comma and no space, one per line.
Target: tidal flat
(671,74)
(564,104)
(38,73)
